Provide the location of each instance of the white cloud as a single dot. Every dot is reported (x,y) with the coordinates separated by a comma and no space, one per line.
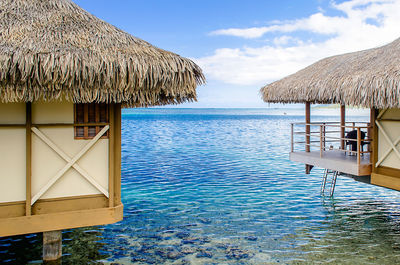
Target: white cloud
(248,33)
(350,32)
(284,40)
(317,23)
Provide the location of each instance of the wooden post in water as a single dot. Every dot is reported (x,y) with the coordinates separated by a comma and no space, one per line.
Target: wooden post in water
(52,245)
(308,120)
(342,124)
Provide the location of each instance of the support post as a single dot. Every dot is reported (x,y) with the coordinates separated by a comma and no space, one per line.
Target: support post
(111,155)
(291,138)
(374,136)
(52,245)
(324,135)
(308,120)
(28,159)
(117,154)
(358,146)
(342,126)
(320,141)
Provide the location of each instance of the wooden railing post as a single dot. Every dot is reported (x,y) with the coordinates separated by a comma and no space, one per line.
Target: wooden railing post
(369,136)
(307,140)
(324,134)
(358,145)
(320,141)
(291,138)
(308,120)
(342,125)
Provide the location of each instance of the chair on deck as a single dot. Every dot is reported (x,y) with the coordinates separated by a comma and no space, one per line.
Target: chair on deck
(353,144)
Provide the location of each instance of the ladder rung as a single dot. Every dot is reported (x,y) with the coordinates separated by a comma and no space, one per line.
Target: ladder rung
(333,174)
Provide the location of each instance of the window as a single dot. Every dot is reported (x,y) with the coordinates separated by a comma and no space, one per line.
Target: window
(89,119)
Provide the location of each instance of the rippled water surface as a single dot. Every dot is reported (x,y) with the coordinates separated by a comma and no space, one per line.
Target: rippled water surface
(216,187)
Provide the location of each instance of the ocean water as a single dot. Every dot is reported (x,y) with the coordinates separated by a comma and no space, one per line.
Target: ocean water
(215,186)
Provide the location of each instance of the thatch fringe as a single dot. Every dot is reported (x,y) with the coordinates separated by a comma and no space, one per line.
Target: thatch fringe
(51,48)
(369,78)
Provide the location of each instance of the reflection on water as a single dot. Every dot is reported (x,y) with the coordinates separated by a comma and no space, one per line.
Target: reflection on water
(80,246)
(20,249)
(355,232)
(218,188)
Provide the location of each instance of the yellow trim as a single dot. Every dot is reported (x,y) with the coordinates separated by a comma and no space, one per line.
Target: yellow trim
(385,181)
(59,221)
(46,206)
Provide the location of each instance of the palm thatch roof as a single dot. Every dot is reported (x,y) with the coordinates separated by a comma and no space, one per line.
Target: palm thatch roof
(51,49)
(369,78)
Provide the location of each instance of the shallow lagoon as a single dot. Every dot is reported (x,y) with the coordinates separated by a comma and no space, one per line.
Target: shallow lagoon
(216,187)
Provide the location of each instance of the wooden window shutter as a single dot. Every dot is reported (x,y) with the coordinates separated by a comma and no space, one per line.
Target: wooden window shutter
(89,119)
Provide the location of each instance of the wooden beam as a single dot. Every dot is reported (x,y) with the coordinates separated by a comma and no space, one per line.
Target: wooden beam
(320,140)
(374,137)
(291,137)
(52,245)
(117,154)
(12,125)
(388,171)
(28,155)
(385,181)
(307,129)
(342,125)
(57,221)
(111,157)
(54,205)
(358,146)
(308,120)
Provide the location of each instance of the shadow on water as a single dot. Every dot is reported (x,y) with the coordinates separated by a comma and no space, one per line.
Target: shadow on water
(20,249)
(80,246)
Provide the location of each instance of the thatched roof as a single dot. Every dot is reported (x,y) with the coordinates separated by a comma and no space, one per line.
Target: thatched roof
(52,48)
(369,78)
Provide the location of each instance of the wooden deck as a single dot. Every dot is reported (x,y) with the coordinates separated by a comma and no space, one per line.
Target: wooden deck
(335,160)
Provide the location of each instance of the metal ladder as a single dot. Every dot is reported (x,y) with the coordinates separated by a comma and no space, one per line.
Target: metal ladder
(329,173)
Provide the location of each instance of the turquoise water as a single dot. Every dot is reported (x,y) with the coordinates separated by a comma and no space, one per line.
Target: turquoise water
(215,186)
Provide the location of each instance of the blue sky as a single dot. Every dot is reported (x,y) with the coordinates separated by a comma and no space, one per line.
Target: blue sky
(243,45)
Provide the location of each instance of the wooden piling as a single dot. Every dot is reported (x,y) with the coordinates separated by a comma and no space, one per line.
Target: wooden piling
(52,245)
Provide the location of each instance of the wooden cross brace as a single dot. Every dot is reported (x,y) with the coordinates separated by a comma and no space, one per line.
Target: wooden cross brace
(71,162)
(392,144)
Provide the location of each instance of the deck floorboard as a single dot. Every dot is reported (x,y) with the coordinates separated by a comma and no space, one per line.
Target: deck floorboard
(335,160)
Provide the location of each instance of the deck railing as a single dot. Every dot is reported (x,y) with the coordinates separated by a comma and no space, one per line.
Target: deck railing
(331,136)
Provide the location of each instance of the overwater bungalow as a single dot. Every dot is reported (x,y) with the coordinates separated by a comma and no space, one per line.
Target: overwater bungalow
(368,79)
(64,76)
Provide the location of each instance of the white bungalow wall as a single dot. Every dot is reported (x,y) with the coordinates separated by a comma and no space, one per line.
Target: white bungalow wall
(392,129)
(46,163)
(12,153)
